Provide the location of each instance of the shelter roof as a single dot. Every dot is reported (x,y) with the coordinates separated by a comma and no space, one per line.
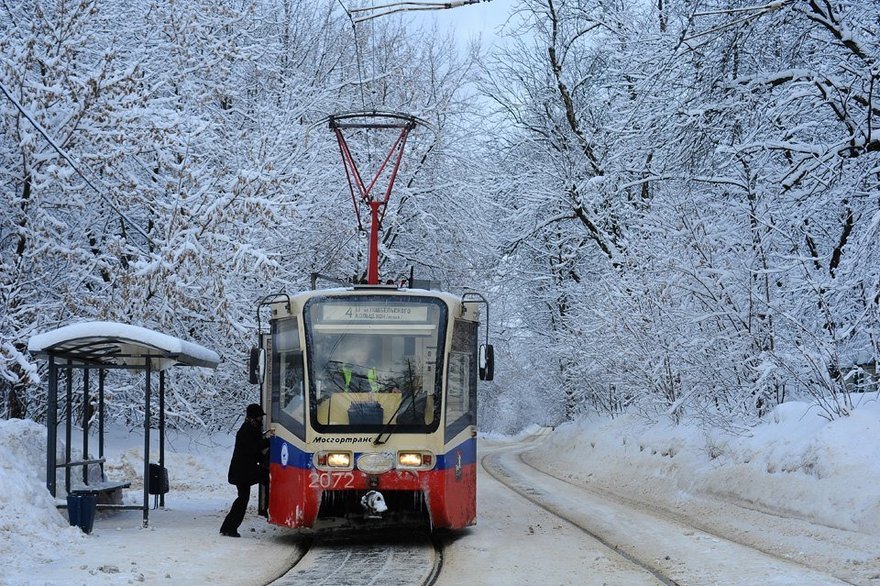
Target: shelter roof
(111,343)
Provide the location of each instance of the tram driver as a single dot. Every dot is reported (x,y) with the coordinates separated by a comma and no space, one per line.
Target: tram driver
(354,368)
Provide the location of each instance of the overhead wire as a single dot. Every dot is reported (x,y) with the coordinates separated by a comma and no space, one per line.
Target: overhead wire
(73,164)
(357,51)
(395,7)
(756,12)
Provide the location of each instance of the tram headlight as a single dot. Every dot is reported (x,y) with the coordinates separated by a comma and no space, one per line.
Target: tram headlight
(339,460)
(420,460)
(333,460)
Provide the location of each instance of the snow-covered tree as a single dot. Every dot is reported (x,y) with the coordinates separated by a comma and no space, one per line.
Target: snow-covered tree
(199,191)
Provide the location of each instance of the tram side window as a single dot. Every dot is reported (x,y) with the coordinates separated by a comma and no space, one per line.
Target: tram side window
(461,385)
(288,390)
(417,376)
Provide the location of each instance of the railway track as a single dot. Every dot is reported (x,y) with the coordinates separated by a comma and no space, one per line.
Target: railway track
(494,466)
(672,551)
(399,559)
(770,544)
(612,539)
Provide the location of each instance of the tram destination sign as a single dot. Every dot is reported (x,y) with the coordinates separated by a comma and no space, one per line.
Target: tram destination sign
(405,313)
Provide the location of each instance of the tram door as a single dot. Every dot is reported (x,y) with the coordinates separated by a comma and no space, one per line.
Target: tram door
(265,400)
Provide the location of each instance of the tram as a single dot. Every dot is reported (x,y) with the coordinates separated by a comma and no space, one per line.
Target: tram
(370,392)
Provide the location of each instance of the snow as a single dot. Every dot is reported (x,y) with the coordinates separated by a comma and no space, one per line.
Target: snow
(795,464)
(97,330)
(181,545)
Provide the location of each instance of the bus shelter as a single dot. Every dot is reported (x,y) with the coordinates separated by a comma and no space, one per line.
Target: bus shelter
(102,346)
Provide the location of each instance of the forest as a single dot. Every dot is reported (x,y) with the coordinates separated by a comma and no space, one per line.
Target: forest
(672,206)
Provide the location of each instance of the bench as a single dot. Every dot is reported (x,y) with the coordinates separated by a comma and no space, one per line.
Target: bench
(108,492)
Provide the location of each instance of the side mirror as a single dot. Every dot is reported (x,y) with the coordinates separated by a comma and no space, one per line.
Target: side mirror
(487,362)
(257,366)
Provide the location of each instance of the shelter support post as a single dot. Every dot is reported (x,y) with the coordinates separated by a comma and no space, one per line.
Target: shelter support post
(52,426)
(85,424)
(148,367)
(101,374)
(68,430)
(162,429)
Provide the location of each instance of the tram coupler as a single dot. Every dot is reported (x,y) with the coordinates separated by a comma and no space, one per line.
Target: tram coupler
(374,504)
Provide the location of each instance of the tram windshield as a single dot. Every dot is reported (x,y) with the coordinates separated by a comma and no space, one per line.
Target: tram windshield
(375,362)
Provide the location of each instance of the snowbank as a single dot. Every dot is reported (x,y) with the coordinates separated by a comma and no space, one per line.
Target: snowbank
(30,524)
(182,544)
(795,463)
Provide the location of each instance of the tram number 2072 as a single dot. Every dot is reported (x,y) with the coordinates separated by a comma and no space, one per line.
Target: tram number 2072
(336,480)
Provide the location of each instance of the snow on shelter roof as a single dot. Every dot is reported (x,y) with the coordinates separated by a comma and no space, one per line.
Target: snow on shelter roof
(111,343)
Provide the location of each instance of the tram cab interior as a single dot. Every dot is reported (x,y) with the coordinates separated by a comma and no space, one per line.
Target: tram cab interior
(363,379)
(360,373)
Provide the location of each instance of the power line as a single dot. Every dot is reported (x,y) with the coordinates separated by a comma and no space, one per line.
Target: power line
(357,52)
(63,154)
(394,7)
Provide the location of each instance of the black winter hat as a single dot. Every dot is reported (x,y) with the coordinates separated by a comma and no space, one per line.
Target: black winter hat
(254,411)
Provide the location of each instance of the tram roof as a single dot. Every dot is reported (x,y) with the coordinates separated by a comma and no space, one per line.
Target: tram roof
(118,344)
(379,290)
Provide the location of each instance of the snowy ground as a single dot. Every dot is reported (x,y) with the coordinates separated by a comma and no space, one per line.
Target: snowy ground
(819,482)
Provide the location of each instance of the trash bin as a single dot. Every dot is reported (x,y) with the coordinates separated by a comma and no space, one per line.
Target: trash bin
(158,479)
(158,483)
(81,510)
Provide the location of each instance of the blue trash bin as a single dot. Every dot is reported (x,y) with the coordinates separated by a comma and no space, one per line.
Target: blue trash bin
(73,508)
(81,510)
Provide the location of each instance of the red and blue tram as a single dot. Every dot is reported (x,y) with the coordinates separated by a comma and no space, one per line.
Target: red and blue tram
(371,400)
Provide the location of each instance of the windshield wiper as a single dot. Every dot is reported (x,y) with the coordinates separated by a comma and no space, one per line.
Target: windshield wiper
(386,429)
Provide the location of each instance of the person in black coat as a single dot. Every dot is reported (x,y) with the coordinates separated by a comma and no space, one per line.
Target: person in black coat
(246,467)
